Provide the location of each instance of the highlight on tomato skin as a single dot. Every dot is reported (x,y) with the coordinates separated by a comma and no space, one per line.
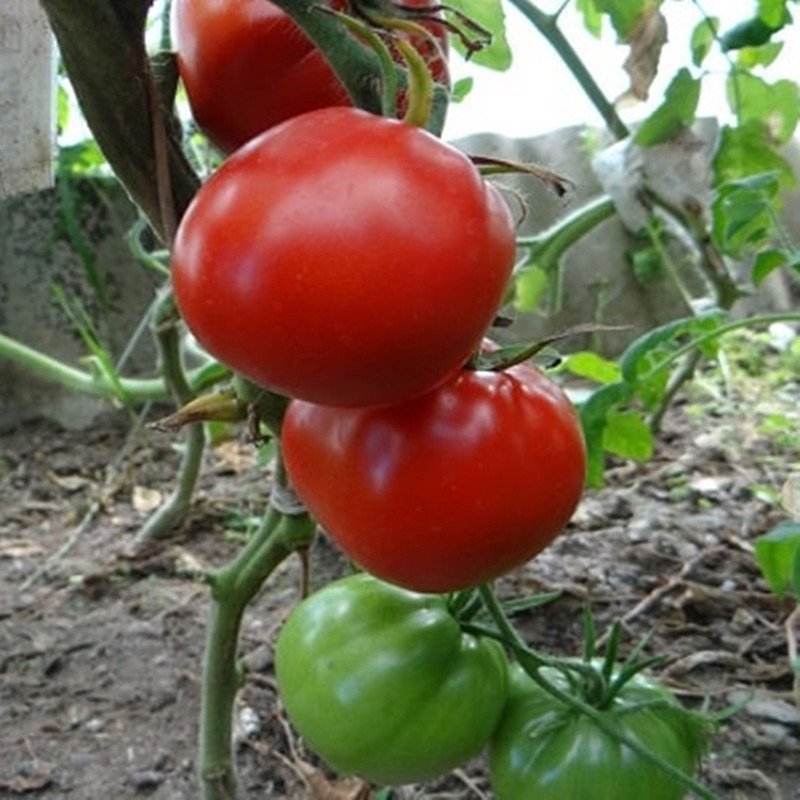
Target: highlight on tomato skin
(449,491)
(356,268)
(247,66)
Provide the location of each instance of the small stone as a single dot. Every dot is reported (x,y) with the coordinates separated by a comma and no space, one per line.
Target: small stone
(95,725)
(250,722)
(145,780)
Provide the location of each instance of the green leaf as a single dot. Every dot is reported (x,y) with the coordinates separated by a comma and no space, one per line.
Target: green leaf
(773,13)
(62,109)
(750,33)
(762,56)
(776,104)
(746,150)
(702,39)
(489,15)
(594,413)
(461,88)
(592,18)
(627,435)
(588,364)
(529,287)
(743,213)
(777,556)
(767,261)
(675,113)
(625,14)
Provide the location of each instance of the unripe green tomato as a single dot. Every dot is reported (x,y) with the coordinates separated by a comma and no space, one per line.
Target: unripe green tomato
(545,750)
(381,682)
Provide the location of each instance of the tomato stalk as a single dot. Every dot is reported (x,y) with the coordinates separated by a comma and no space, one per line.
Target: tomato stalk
(282,532)
(533,663)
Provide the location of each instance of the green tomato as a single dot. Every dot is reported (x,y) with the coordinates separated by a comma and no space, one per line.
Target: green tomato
(381,682)
(545,750)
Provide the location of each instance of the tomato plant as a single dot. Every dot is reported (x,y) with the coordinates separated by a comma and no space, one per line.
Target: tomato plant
(247,66)
(344,258)
(450,490)
(382,682)
(545,750)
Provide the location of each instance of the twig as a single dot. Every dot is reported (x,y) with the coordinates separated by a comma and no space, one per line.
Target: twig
(659,592)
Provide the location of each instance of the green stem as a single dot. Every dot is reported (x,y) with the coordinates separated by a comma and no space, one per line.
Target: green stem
(96,384)
(233,587)
(547,25)
(670,266)
(762,319)
(549,245)
(533,663)
(168,342)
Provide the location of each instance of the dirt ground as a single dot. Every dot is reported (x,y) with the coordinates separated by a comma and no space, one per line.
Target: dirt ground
(100,656)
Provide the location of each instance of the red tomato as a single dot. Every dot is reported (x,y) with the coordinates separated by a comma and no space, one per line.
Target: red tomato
(247,66)
(344,258)
(449,491)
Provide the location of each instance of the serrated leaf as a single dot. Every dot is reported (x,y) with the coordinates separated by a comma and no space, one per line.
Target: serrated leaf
(592,18)
(590,365)
(461,88)
(489,15)
(675,113)
(745,150)
(594,412)
(743,213)
(702,39)
(776,553)
(529,288)
(767,261)
(627,435)
(776,105)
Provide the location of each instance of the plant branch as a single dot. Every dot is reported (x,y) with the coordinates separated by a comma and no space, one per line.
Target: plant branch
(547,26)
(96,383)
(533,664)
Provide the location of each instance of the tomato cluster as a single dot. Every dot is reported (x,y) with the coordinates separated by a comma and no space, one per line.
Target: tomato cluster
(354,264)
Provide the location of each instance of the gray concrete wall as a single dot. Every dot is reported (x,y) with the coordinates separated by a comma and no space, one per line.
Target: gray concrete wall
(36,253)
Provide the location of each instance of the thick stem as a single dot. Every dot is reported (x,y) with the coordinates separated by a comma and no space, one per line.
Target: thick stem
(233,587)
(97,384)
(546,24)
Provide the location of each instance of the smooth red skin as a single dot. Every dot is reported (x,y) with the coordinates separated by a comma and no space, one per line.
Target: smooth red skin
(444,493)
(344,258)
(247,66)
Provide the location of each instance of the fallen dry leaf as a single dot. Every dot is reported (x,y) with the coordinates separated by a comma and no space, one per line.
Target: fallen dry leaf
(646,41)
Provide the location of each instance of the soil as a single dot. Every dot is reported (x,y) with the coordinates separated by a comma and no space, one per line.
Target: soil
(100,652)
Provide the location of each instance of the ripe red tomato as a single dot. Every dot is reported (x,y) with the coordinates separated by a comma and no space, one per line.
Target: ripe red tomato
(344,258)
(449,491)
(247,66)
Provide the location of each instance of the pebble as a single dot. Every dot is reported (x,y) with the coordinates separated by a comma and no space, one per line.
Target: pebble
(145,780)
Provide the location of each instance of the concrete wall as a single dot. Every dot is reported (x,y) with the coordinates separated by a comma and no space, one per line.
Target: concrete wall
(36,253)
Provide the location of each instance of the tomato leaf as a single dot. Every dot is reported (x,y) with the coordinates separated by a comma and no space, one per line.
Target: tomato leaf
(489,15)
(753,32)
(777,104)
(767,261)
(588,364)
(675,113)
(702,39)
(461,88)
(627,435)
(746,150)
(592,18)
(778,556)
(594,413)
